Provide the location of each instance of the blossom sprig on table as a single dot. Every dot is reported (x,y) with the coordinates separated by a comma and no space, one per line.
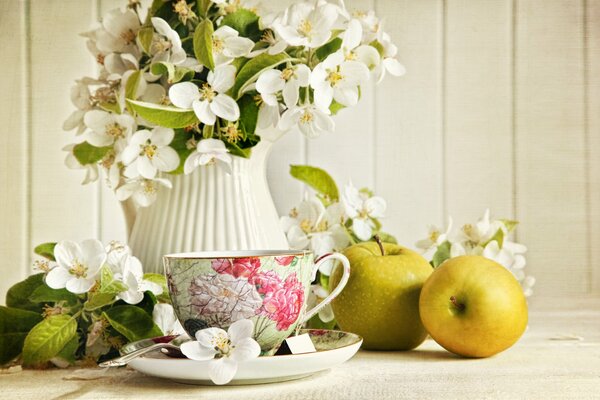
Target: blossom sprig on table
(488,238)
(87,300)
(224,349)
(327,221)
(182,73)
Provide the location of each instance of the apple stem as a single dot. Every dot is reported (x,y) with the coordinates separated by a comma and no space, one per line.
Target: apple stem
(378,240)
(459,306)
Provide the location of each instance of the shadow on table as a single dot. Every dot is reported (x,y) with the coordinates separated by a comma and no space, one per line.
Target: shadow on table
(412,355)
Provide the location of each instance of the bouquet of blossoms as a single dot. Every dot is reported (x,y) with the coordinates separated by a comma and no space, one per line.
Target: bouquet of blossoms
(87,301)
(193,83)
(327,221)
(488,238)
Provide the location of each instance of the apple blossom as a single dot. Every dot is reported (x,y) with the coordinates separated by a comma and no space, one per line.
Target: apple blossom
(108,128)
(305,24)
(208,152)
(128,269)
(143,191)
(362,209)
(227,45)
(166,43)
(164,317)
(311,120)
(224,349)
(81,98)
(209,101)
(91,170)
(289,81)
(148,152)
(77,265)
(119,32)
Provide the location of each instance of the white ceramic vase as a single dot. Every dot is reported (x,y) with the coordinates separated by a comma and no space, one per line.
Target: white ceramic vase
(209,210)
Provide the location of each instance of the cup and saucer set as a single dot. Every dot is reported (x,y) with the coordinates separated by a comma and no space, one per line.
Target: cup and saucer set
(268,288)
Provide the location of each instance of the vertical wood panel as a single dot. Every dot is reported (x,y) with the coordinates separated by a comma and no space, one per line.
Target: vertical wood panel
(14,251)
(478,102)
(61,207)
(593,135)
(550,143)
(408,119)
(347,153)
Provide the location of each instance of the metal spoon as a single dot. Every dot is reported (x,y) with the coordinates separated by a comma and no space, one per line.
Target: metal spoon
(171,348)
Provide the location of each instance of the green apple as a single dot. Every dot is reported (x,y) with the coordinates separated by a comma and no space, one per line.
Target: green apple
(473,307)
(381,300)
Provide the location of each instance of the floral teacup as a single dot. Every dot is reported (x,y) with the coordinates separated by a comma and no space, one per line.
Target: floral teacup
(215,289)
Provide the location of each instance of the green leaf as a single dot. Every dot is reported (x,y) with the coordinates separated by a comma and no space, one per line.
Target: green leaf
(378,46)
(335,107)
(131,87)
(203,7)
(179,144)
(45,294)
(111,107)
(169,117)
(387,238)
(245,22)
(328,48)
(253,68)
(18,295)
(108,283)
(98,300)
(132,322)
(160,280)
(86,154)
(324,281)
(67,354)
(48,338)
(239,62)
(46,250)
(248,113)
(442,254)
(510,224)
(145,36)
(174,74)
(14,326)
(148,302)
(316,178)
(498,237)
(203,43)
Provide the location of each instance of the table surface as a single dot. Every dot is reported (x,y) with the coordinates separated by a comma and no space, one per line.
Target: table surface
(558,357)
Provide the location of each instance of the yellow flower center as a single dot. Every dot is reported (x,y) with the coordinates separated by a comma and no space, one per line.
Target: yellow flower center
(78,269)
(149,187)
(222,344)
(334,77)
(434,235)
(231,132)
(359,14)
(181,8)
(305,28)
(306,226)
(41,265)
(306,117)
(115,130)
(363,214)
(218,45)
(108,160)
(207,93)
(350,56)
(159,45)
(287,74)
(148,150)
(128,36)
(232,6)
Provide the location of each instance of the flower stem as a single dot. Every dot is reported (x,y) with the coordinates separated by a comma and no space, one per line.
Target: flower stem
(459,306)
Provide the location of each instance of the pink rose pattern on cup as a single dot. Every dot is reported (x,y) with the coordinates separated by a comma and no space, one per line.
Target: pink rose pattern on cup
(240,290)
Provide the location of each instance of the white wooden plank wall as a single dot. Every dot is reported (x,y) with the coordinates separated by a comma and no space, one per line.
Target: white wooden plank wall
(499,109)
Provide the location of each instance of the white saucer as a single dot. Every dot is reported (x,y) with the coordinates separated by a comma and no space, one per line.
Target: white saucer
(333,348)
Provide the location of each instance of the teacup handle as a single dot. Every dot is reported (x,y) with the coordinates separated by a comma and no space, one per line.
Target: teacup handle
(346,275)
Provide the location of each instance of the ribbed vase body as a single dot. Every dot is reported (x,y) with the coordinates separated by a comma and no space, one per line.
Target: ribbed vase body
(208,210)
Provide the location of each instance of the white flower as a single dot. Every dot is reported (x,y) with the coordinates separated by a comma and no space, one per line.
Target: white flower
(305,24)
(227,45)
(268,112)
(128,269)
(316,295)
(119,32)
(352,50)
(389,62)
(91,170)
(362,209)
(108,128)
(481,232)
(210,100)
(311,120)
(164,317)
(117,64)
(225,349)
(148,152)
(166,45)
(78,265)
(435,237)
(290,80)
(80,97)
(208,152)
(371,25)
(312,226)
(338,78)
(143,191)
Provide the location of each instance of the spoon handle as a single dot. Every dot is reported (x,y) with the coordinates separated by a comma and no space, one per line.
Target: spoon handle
(123,360)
